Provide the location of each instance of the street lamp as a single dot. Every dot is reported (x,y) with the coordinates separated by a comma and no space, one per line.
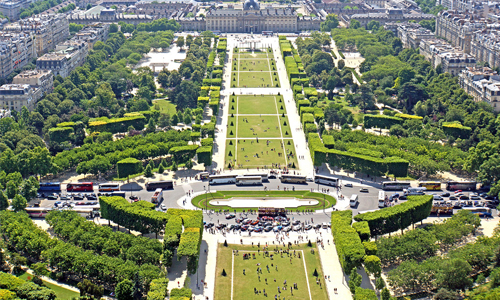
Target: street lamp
(324,202)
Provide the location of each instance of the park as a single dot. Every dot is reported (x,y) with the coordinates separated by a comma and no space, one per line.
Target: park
(255,271)
(259,133)
(254,70)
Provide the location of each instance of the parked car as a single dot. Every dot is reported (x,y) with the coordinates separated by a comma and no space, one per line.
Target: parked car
(296,228)
(296,222)
(230,216)
(475,197)
(363,190)
(287,229)
(285,223)
(52,197)
(268,228)
(308,227)
(453,198)
(133,197)
(254,222)
(464,197)
(348,185)
(277,228)
(445,194)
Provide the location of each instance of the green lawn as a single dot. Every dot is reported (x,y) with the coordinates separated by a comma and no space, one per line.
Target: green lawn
(254,65)
(297,270)
(257,104)
(246,55)
(256,154)
(256,126)
(61,292)
(165,107)
(254,70)
(253,79)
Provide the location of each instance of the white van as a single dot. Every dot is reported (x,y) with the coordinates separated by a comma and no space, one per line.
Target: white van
(354,200)
(381,199)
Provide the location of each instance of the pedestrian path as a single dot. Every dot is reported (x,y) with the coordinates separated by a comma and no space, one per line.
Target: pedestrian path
(331,267)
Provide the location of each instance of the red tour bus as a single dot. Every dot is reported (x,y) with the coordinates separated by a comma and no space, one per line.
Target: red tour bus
(80,187)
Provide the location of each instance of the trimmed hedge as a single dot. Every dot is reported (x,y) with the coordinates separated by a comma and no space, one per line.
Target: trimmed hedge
(328,141)
(117,124)
(307,118)
(456,129)
(139,216)
(207,142)
(204,154)
(128,166)
(370,248)
(362,229)
(364,294)
(390,219)
(350,250)
(408,117)
(182,154)
(60,134)
(208,130)
(195,135)
(310,127)
(381,121)
(316,148)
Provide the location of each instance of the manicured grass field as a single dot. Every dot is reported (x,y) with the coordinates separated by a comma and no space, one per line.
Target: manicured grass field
(165,106)
(251,70)
(298,270)
(259,117)
(324,201)
(61,292)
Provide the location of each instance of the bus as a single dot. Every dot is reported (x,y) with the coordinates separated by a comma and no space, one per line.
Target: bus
(109,187)
(481,211)
(164,184)
(157,196)
(37,212)
(461,185)
(49,187)
(264,176)
(293,178)
(248,180)
(430,185)
(80,187)
(381,199)
(267,33)
(414,191)
(395,185)
(203,175)
(222,179)
(328,180)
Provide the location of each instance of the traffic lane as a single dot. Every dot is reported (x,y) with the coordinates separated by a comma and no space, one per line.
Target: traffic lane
(366,200)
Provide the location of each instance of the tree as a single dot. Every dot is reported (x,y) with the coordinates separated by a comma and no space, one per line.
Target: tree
(373,25)
(379,283)
(148,172)
(19,203)
(4,202)
(341,64)
(161,169)
(354,24)
(11,190)
(124,290)
(354,280)
(330,23)
(113,28)
(454,274)
(189,164)
(29,188)
(385,295)
(180,42)
(151,126)
(174,166)
(175,120)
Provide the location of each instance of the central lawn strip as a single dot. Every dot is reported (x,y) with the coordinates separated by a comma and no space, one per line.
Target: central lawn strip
(199,200)
(253,127)
(250,55)
(254,65)
(257,104)
(248,158)
(295,272)
(254,79)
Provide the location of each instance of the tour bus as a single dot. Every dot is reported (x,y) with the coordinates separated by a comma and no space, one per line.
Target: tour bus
(164,184)
(414,191)
(328,180)
(264,176)
(248,180)
(381,199)
(461,185)
(157,196)
(80,187)
(109,187)
(49,187)
(430,185)
(222,179)
(267,33)
(354,200)
(293,178)
(119,194)
(203,175)
(37,212)
(395,185)
(481,211)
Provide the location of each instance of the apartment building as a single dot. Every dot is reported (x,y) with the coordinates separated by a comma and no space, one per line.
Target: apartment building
(390,15)
(451,59)
(16,51)
(93,33)
(15,96)
(48,30)
(12,8)
(42,79)
(412,33)
(485,45)
(458,28)
(483,84)
(68,56)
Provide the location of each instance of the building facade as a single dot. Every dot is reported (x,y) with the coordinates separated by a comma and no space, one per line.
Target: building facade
(485,46)
(109,16)
(483,84)
(15,96)
(92,34)
(458,28)
(42,79)
(48,30)
(12,8)
(412,33)
(451,59)
(16,51)
(69,56)
(390,15)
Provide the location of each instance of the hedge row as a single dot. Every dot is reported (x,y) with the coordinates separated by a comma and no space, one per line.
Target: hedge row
(362,229)
(139,216)
(350,250)
(182,154)
(456,129)
(117,124)
(408,117)
(381,121)
(396,217)
(128,166)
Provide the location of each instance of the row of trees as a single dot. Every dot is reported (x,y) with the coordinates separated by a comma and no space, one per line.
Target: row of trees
(65,259)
